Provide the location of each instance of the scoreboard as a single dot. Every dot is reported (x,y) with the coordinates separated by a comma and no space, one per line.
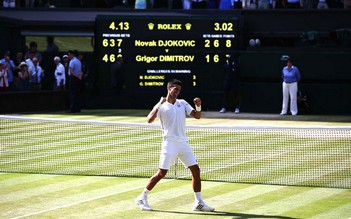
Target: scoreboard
(141,53)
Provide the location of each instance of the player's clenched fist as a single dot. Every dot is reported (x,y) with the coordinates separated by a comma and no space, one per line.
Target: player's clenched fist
(197,101)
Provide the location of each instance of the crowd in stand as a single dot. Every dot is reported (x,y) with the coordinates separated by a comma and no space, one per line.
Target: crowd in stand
(22,71)
(184,4)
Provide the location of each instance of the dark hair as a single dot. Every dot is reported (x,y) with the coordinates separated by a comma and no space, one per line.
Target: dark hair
(290,60)
(173,82)
(32,44)
(74,52)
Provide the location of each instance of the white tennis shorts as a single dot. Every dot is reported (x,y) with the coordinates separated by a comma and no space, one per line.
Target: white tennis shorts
(171,150)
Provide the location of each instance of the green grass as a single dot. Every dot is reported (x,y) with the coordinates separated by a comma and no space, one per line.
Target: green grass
(268,161)
(82,44)
(66,196)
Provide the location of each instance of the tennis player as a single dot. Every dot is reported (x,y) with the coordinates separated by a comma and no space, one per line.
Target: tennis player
(172,113)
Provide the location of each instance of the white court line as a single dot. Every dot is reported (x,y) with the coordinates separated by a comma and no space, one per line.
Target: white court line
(188,126)
(83,201)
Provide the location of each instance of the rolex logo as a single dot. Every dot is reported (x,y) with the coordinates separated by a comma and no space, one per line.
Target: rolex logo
(188,26)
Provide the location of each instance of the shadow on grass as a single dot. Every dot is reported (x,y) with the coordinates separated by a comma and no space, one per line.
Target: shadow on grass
(227,214)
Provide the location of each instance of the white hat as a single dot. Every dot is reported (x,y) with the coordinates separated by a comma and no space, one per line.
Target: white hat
(57,58)
(23,64)
(65,56)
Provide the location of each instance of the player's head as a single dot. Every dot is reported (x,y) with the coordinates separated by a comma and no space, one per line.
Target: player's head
(174,87)
(173,82)
(289,62)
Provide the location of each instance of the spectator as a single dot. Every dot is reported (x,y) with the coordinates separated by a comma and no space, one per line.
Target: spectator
(66,66)
(231,85)
(29,61)
(140,4)
(33,47)
(37,74)
(75,79)
(186,4)
(23,77)
(10,67)
(225,4)
(4,82)
(17,61)
(250,4)
(51,47)
(263,4)
(60,77)
(322,4)
(9,3)
(291,76)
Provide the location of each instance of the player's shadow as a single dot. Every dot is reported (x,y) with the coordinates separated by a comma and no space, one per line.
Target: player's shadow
(228,214)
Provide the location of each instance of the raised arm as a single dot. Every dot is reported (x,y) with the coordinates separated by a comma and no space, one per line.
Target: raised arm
(153,114)
(196,113)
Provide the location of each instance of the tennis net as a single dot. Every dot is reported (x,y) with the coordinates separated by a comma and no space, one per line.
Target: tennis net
(262,155)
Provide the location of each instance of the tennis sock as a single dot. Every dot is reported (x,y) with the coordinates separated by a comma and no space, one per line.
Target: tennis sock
(198,197)
(145,192)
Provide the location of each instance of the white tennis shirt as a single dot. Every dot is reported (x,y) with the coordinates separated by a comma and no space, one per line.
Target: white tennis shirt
(172,118)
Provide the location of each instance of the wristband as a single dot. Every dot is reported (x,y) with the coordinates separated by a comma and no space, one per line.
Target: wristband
(198,108)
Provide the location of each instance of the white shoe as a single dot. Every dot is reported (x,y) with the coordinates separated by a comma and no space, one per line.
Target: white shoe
(142,203)
(201,206)
(237,110)
(222,110)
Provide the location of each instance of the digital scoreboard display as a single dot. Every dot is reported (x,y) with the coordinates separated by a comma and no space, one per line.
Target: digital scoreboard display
(154,49)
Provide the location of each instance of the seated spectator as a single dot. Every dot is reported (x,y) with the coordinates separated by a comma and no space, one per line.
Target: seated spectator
(37,74)
(24,77)
(4,82)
